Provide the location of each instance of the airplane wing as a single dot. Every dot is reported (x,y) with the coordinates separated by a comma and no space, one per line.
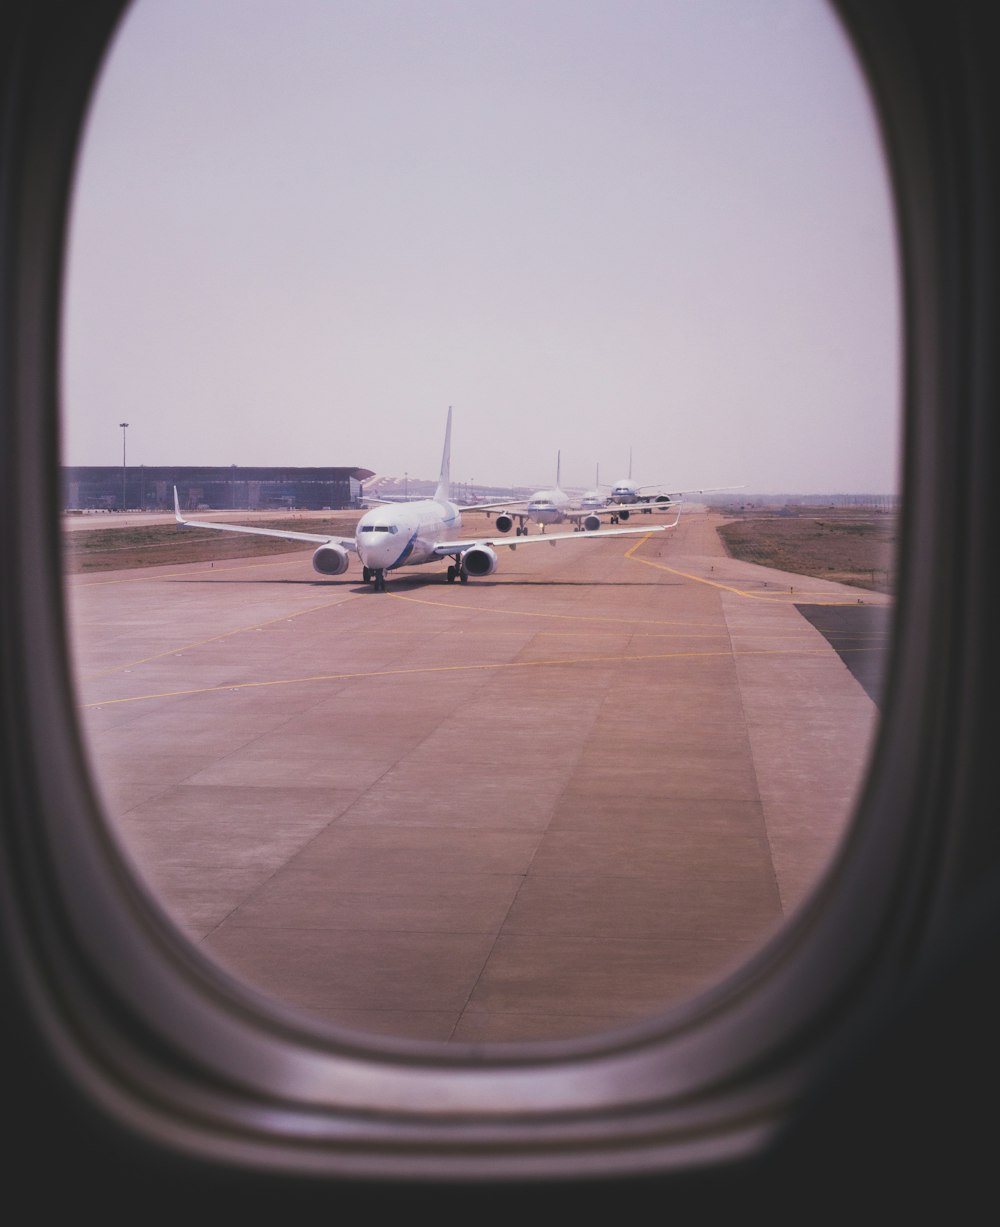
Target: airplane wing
(286,534)
(511,502)
(419,498)
(578,514)
(446,548)
(680,493)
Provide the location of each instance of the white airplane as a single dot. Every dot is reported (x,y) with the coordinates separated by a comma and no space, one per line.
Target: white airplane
(596,499)
(409,534)
(555,506)
(626,493)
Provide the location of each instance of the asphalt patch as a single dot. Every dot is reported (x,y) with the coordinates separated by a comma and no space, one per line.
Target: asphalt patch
(860,635)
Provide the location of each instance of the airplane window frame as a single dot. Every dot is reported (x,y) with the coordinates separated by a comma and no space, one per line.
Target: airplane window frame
(169,1047)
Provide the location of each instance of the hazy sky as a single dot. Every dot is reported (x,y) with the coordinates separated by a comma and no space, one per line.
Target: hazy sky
(303,228)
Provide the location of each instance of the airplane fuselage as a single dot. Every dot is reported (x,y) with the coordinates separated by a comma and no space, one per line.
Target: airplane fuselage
(546,506)
(593,500)
(625,492)
(405,534)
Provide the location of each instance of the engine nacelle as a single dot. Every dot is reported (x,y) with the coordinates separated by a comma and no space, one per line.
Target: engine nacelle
(479,560)
(330,559)
(623,514)
(663,498)
(592,523)
(504,522)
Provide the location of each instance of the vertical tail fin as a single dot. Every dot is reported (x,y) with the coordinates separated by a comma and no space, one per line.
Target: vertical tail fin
(443,491)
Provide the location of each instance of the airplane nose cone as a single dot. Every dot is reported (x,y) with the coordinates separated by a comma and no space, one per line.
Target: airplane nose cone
(376,549)
(371,552)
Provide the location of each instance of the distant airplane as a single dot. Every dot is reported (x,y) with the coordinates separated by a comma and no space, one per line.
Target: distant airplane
(626,493)
(409,534)
(555,506)
(596,499)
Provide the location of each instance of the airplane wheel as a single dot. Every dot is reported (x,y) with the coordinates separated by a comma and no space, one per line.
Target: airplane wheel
(451,575)
(463,577)
(366,574)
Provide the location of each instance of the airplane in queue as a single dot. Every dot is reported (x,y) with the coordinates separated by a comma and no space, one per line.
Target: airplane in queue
(595,499)
(555,506)
(628,496)
(409,534)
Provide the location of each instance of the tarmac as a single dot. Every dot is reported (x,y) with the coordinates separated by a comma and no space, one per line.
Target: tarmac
(547,804)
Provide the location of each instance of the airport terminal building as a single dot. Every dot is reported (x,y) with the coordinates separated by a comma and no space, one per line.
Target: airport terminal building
(151,488)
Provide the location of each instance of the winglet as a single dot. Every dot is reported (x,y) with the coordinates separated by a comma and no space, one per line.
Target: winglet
(177,509)
(679,504)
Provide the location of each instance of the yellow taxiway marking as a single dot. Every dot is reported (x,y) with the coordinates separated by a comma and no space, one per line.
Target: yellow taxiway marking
(177,649)
(623,624)
(773,595)
(622,619)
(361,675)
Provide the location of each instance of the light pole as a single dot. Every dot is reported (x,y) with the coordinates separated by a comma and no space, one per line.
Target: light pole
(124,426)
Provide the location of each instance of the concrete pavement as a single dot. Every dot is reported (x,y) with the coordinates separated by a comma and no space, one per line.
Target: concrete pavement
(541,805)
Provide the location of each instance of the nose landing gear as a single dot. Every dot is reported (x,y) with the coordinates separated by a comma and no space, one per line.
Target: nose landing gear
(377,577)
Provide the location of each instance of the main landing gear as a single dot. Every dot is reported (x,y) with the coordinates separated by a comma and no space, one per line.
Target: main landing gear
(457,572)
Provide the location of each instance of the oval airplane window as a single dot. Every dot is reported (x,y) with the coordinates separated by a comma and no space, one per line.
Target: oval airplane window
(590,317)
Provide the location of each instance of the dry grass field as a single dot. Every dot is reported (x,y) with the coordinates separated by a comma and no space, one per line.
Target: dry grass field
(849,545)
(153,545)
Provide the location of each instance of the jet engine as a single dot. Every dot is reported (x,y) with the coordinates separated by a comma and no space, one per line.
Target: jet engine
(663,498)
(330,559)
(623,514)
(504,522)
(591,524)
(479,560)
